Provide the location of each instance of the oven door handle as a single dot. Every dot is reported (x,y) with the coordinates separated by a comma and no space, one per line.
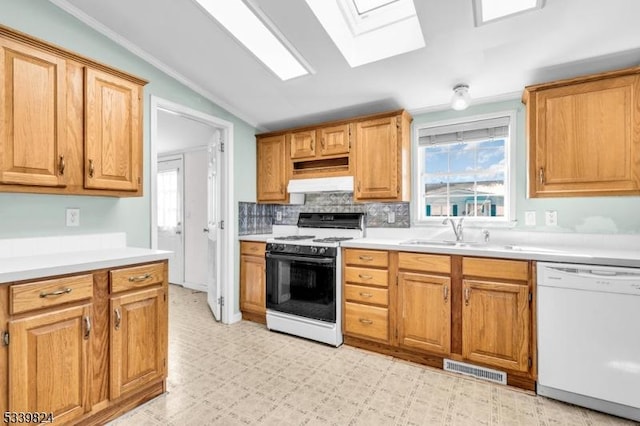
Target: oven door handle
(322,260)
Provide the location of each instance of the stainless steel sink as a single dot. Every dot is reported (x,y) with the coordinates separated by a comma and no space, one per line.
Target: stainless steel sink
(441,243)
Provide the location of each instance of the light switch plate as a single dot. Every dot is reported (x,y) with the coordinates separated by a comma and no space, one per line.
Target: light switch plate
(73,217)
(551,218)
(278,216)
(391,217)
(530,218)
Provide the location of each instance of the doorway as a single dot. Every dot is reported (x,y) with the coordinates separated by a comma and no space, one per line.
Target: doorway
(170,212)
(209,221)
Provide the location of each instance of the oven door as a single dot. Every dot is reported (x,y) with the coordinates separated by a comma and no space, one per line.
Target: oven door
(302,286)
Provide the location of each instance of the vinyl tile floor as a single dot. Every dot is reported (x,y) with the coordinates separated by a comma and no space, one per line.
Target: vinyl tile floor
(243,374)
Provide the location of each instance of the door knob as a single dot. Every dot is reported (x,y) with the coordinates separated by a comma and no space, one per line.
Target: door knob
(205,229)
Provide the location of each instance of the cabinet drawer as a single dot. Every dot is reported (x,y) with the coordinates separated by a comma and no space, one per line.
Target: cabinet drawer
(357,293)
(368,321)
(136,277)
(368,276)
(43,294)
(366,257)
(253,248)
(424,262)
(496,268)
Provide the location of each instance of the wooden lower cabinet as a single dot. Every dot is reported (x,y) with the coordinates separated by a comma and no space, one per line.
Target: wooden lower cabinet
(81,350)
(49,363)
(495,324)
(430,307)
(138,346)
(253,284)
(424,311)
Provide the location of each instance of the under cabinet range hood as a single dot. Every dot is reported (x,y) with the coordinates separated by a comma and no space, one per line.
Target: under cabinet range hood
(330,184)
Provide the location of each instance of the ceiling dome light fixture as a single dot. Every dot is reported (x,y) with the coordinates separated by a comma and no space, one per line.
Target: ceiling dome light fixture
(460,99)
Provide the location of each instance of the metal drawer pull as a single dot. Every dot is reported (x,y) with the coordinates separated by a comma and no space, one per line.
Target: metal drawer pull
(467,292)
(365,277)
(541,175)
(92,169)
(446,293)
(139,278)
(366,294)
(366,321)
(61,165)
(57,292)
(87,327)
(118,318)
(367,258)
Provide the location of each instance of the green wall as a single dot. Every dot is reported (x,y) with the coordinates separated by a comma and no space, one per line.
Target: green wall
(24,215)
(575,214)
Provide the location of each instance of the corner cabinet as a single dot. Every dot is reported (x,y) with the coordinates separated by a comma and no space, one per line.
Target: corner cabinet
(584,135)
(70,125)
(253,284)
(383,148)
(271,169)
(84,347)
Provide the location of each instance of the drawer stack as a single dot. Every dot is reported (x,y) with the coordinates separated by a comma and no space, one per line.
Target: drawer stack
(366,294)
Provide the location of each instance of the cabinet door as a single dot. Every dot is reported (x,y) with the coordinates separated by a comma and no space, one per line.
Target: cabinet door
(425,312)
(495,324)
(252,284)
(587,139)
(271,168)
(377,159)
(33,111)
(138,340)
(303,144)
(335,140)
(49,366)
(113,133)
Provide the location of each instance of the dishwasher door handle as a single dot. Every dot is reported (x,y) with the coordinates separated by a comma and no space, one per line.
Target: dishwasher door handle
(596,273)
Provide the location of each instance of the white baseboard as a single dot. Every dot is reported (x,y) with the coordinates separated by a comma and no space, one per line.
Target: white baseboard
(237,317)
(194,286)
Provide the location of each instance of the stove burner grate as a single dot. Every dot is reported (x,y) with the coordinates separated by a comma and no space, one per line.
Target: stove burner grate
(294,237)
(332,239)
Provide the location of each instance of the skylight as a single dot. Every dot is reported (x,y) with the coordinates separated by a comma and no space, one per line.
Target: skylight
(490,10)
(370,30)
(251,31)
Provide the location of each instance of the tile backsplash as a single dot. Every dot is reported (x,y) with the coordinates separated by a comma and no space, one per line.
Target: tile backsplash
(258,218)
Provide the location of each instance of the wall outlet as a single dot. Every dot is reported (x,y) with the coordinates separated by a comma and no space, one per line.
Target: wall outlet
(530,218)
(391,217)
(551,218)
(73,217)
(279,216)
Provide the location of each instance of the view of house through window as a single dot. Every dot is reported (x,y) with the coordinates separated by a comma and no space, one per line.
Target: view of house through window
(464,170)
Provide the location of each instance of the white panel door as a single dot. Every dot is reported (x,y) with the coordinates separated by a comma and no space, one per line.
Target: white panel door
(170,201)
(196,243)
(214,232)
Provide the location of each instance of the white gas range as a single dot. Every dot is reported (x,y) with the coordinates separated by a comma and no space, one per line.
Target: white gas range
(303,276)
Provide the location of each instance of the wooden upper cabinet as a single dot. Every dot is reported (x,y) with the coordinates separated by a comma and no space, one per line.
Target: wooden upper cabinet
(33,113)
(49,363)
(271,168)
(383,148)
(584,136)
(303,144)
(113,140)
(335,140)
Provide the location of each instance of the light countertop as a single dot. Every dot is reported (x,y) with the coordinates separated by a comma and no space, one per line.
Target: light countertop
(262,238)
(51,264)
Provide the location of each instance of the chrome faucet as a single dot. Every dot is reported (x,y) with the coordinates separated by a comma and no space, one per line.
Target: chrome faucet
(457,228)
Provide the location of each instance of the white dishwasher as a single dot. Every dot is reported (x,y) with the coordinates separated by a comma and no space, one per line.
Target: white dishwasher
(589,336)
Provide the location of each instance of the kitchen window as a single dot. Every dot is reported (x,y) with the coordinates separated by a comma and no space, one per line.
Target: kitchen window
(464,169)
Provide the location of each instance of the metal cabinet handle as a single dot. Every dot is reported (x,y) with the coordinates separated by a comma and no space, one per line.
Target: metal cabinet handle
(57,292)
(366,258)
(92,169)
(139,278)
(87,327)
(118,318)
(313,145)
(365,277)
(366,294)
(365,321)
(323,143)
(61,165)
(467,293)
(446,293)
(281,189)
(541,175)
(358,186)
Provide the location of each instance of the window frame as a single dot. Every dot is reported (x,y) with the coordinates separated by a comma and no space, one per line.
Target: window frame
(509,219)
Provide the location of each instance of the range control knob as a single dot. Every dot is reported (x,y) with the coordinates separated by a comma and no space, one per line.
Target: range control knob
(296,248)
(314,250)
(322,250)
(280,247)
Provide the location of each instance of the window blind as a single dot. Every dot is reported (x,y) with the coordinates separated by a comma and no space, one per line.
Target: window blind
(464,132)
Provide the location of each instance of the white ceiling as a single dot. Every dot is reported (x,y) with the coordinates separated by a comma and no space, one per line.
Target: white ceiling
(177,133)
(564,39)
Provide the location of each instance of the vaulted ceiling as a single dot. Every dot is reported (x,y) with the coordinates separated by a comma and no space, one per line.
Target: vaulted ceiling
(564,39)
